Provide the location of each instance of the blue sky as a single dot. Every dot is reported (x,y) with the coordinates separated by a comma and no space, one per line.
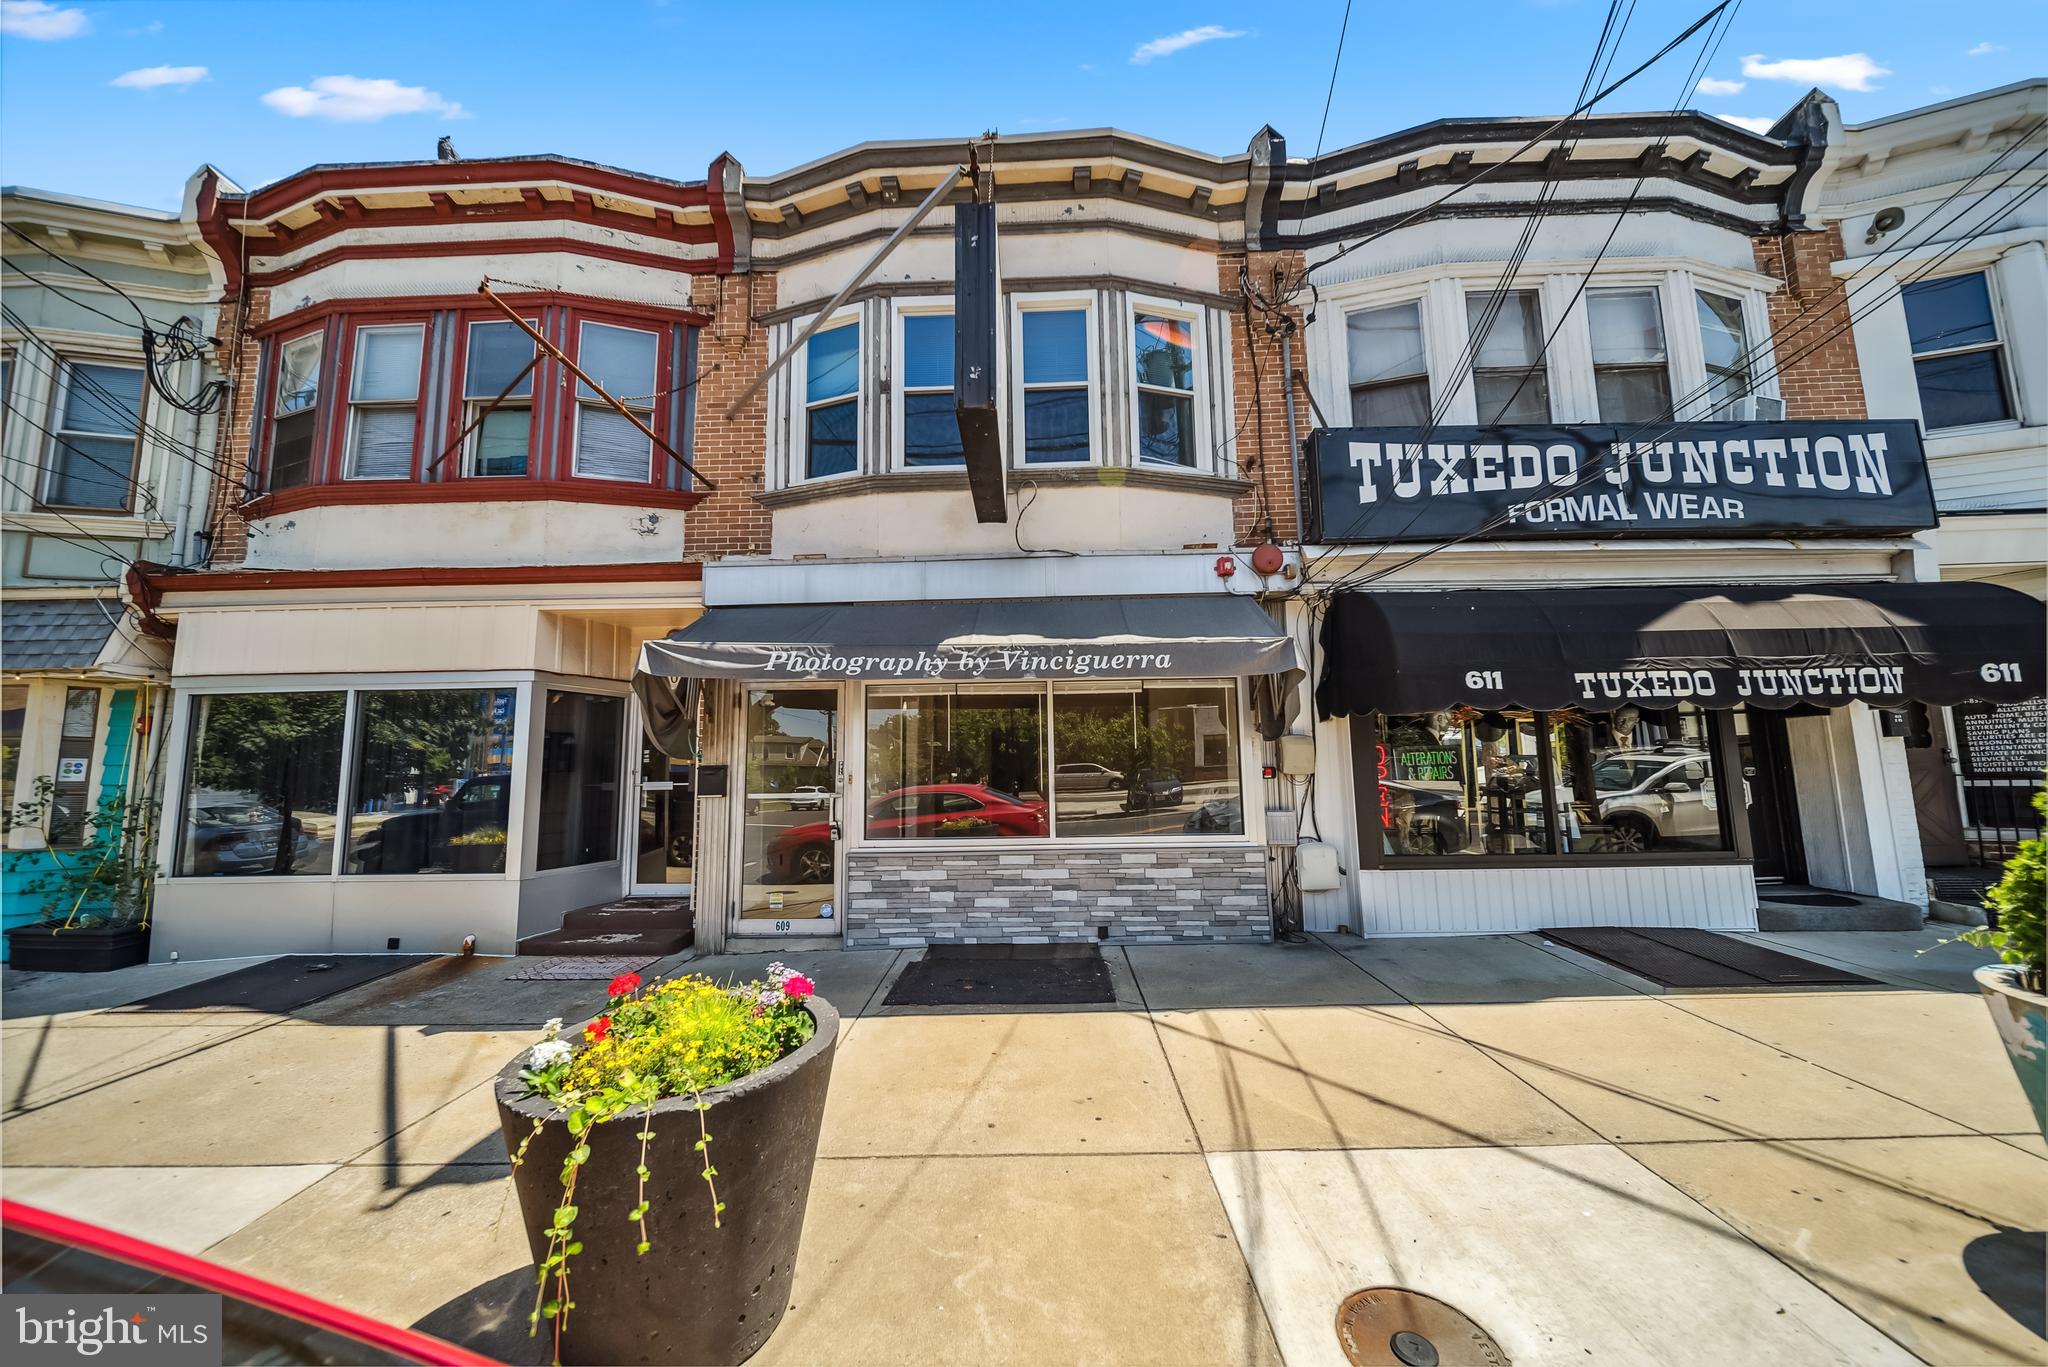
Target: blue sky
(122,100)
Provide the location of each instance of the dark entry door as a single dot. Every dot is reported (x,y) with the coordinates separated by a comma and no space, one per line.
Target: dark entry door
(1935,804)
(1772,802)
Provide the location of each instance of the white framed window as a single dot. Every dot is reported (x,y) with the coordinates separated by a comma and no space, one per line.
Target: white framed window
(1958,356)
(294,411)
(95,437)
(1388,366)
(1166,352)
(1631,363)
(831,413)
(926,415)
(1509,378)
(384,401)
(1724,344)
(1053,345)
(623,360)
(502,443)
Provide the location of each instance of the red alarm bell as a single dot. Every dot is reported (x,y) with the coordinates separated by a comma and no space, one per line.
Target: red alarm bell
(1268,559)
(1225,566)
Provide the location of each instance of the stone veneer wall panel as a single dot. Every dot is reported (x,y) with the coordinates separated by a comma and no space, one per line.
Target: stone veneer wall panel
(1170,895)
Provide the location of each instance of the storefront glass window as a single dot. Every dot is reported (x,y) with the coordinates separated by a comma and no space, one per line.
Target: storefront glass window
(1461,783)
(261,787)
(1146,759)
(579,780)
(433,781)
(1637,782)
(955,761)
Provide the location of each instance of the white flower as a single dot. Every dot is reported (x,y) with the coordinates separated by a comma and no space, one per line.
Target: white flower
(548,1053)
(552,1028)
(777,972)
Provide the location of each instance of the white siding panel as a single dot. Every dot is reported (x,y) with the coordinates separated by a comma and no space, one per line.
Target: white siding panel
(1502,901)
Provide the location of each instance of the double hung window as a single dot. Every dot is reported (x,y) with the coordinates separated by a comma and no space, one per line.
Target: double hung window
(608,444)
(384,401)
(1055,345)
(1631,367)
(294,412)
(502,443)
(1389,370)
(1508,375)
(1956,359)
(1727,352)
(931,422)
(97,429)
(1164,347)
(832,402)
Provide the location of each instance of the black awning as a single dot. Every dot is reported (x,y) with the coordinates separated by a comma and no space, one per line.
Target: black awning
(1768,645)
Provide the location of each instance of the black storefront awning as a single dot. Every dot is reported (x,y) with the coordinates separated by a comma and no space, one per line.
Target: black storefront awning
(1767,645)
(1012,638)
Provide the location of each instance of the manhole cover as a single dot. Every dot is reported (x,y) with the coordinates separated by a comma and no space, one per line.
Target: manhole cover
(1384,1326)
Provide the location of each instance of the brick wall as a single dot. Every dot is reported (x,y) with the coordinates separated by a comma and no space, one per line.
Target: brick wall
(730,453)
(1195,895)
(1258,382)
(1827,383)
(230,530)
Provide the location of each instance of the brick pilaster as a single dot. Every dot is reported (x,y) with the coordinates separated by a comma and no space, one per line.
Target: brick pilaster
(1827,383)
(731,351)
(238,318)
(1259,387)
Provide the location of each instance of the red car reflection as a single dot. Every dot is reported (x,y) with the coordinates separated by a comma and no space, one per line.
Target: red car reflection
(803,854)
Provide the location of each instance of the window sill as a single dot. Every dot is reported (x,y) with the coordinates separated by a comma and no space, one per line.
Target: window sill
(478,489)
(1441,862)
(912,481)
(123,526)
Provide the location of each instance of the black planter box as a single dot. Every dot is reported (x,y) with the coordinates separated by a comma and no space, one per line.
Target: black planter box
(700,1295)
(82,949)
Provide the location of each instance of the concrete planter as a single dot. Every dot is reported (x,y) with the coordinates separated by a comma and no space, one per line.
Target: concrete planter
(39,948)
(2022,1020)
(700,1295)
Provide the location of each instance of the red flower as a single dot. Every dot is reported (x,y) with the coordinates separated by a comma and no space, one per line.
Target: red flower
(796,987)
(621,985)
(598,1029)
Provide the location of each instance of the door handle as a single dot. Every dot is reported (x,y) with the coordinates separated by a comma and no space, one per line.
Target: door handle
(836,835)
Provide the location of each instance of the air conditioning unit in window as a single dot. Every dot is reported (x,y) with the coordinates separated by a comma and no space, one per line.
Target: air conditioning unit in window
(1754,408)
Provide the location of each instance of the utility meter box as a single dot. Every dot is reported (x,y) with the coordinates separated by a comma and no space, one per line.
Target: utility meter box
(1315,866)
(1297,756)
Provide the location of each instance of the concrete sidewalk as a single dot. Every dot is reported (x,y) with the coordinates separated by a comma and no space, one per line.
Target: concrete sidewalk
(1596,1170)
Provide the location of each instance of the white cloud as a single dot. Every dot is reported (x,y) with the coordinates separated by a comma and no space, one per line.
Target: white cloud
(1186,38)
(144,30)
(358,99)
(37,19)
(1752,123)
(1714,85)
(1850,71)
(154,77)
(1984,50)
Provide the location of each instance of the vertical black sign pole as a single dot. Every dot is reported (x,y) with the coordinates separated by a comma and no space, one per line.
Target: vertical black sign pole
(977,324)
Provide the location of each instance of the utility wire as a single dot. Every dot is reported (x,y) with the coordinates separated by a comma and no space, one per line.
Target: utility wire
(1336,63)
(49,251)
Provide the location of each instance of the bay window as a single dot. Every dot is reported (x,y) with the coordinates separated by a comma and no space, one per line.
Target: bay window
(384,401)
(502,443)
(1508,375)
(1957,359)
(97,432)
(624,361)
(294,411)
(1723,341)
(931,423)
(1054,342)
(831,417)
(1388,369)
(1164,350)
(1631,367)
(1516,783)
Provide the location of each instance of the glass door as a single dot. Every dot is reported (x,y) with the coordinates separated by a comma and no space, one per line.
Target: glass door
(664,853)
(789,831)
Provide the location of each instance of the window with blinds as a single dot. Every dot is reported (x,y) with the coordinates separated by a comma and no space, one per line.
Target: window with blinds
(1631,369)
(1508,377)
(384,401)
(1389,372)
(92,449)
(623,360)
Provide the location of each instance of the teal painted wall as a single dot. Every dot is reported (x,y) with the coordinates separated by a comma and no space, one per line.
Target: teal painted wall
(19,868)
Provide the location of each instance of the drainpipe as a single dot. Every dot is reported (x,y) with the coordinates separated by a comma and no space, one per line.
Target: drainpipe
(1293,441)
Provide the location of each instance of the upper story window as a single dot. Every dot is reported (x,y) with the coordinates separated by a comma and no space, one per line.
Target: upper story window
(624,360)
(1956,347)
(1723,341)
(94,439)
(1631,367)
(502,443)
(1508,376)
(832,402)
(384,401)
(295,410)
(1055,383)
(931,422)
(1389,369)
(1164,347)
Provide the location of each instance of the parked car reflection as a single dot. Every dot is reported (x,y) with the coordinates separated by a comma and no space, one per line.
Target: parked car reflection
(803,854)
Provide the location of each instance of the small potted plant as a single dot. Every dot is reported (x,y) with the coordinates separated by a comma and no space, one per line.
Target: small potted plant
(479,851)
(96,894)
(662,1157)
(2014,989)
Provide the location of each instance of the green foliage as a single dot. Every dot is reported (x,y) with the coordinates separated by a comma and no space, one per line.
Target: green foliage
(109,878)
(2019,903)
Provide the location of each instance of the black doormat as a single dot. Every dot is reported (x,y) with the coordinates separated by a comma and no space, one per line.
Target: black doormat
(1004,975)
(281,985)
(1699,958)
(1809,899)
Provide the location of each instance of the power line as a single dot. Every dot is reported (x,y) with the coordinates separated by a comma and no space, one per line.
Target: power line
(1335,63)
(55,255)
